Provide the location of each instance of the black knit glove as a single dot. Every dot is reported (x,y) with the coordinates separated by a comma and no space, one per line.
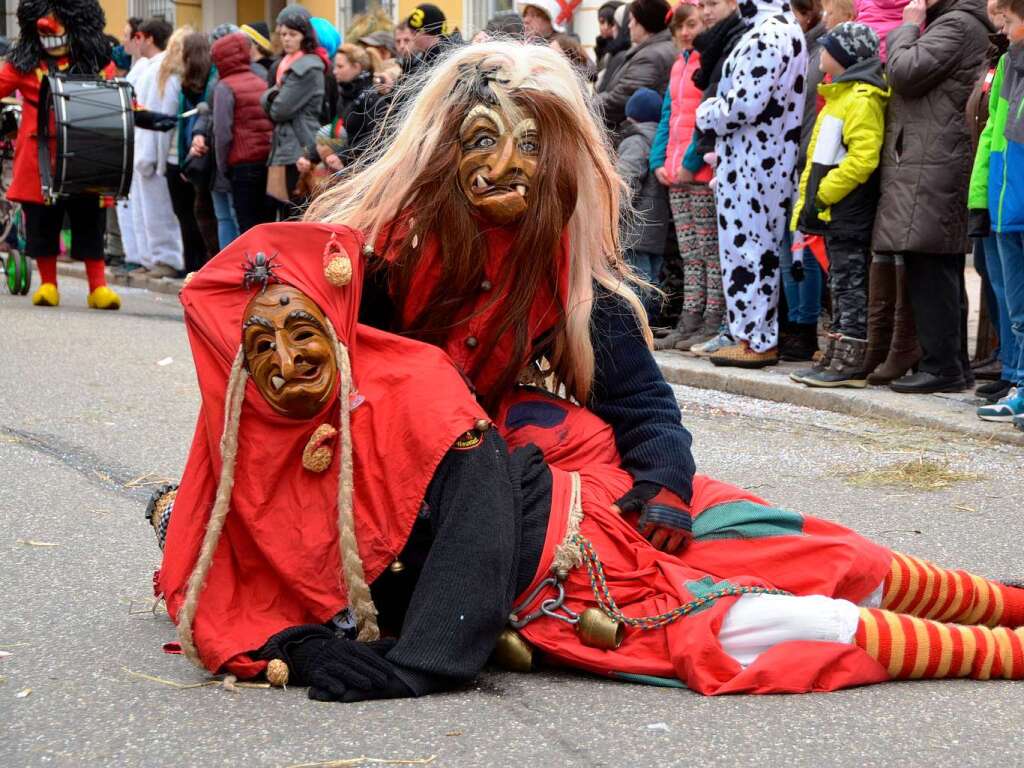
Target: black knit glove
(663,521)
(154,121)
(979,223)
(335,668)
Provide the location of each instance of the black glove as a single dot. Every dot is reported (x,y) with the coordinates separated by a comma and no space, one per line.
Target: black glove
(663,521)
(797,272)
(335,668)
(979,223)
(154,121)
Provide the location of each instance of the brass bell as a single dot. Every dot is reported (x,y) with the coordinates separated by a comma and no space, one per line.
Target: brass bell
(599,630)
(513,653)
(397,566)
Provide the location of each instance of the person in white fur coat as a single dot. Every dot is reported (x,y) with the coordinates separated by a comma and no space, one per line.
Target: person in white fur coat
(156,232)
(756,116)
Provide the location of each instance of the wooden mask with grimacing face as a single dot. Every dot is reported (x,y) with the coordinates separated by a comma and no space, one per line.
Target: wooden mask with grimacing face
(289,352)
(498,162)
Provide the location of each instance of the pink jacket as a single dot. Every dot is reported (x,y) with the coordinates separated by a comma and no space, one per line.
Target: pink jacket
(683,98)
(882,16)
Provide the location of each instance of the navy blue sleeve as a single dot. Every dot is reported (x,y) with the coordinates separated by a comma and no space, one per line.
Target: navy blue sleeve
(630,394)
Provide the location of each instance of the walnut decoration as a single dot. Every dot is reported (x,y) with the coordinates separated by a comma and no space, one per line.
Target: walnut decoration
(317,455)
(277,673)
(337,264)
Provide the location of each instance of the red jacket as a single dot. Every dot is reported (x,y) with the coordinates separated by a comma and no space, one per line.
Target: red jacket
(251,128)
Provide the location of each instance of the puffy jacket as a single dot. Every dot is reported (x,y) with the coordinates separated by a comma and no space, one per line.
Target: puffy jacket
(646,65)
(839,187)
(241,128)
(926,160)
(679,120)
(295,108)
(649,197)
(883,16)
(997,182)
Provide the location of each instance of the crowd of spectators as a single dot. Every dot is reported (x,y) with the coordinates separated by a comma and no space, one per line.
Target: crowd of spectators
(802,175)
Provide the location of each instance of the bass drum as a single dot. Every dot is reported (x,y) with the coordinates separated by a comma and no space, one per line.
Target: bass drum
(90,125)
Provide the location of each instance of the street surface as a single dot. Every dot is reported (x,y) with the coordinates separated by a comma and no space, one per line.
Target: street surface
(96,408)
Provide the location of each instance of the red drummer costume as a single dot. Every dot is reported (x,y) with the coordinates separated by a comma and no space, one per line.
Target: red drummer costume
(62,36)
(347,522)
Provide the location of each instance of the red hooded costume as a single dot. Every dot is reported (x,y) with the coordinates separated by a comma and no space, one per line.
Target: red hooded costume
(277,562)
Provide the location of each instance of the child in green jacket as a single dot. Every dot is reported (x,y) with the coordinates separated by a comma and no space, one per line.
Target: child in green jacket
(839,191)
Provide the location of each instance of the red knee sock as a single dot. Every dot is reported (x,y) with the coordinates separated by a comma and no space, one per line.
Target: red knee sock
(47,269)
(923,589)
(96,271)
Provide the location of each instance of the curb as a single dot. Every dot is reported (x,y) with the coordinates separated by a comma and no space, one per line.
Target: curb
(945,413)
(163,285)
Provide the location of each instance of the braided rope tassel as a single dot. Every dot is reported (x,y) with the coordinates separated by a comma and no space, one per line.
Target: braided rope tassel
(359,597)
(603,596)
(221,505)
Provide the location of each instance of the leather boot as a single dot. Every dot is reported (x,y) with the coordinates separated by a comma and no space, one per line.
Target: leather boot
(881,311)
(801,342)
(846,368)
(904,351)
(689,322)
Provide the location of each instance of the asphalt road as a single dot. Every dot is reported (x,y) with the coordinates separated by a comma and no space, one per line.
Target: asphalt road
(95,407)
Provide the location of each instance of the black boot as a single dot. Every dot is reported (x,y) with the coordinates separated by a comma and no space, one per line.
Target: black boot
(800,342)
(846,368)
(821,365)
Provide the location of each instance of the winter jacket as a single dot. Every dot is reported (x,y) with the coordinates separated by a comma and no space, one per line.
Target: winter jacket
(812,38)
(241,129)
(714,46)
(926,160)
(979,100)
(646,65)
(679,120)
(997,182)
(295,108)
(883,16)
(839,187)
(348,93)
(649,196)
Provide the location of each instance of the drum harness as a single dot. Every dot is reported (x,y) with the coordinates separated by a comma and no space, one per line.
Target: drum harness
(593,623)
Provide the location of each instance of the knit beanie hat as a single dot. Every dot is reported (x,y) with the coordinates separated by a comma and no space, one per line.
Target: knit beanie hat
(259,33)
(295,17)
(326,34)
(223,30)
(850,43)
(650,14)
(644,106)
(428,19)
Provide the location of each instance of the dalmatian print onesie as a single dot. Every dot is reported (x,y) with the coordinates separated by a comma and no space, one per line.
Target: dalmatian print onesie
(756,117)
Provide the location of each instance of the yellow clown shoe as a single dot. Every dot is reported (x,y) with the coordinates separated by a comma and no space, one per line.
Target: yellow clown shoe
(104,298)
(46,296)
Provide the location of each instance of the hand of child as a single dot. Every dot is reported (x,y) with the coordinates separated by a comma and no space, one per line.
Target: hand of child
(711,158)
(684,176)
(915,12)
(303,165)
(662,176)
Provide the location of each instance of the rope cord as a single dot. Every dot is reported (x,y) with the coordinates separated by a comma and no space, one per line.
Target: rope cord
(605,601)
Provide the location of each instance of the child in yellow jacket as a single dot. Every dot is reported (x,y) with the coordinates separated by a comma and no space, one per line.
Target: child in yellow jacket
(839,191)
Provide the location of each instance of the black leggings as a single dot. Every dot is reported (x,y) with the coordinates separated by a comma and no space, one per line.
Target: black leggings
(183,200)
(249,190)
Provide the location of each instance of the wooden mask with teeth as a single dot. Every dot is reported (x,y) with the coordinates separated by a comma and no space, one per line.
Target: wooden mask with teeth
(288,351)
(498,161)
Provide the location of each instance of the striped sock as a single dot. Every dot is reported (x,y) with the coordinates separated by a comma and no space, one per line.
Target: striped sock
(923,589)
(911,648)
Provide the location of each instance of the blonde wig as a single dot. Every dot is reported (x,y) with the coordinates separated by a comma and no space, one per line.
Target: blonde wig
(174,61)
(412,170)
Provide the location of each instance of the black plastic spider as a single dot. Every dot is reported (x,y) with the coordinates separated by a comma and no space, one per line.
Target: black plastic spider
(259,270)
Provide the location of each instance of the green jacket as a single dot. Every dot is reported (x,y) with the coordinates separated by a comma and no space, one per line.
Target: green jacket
(839,186)
(997,180)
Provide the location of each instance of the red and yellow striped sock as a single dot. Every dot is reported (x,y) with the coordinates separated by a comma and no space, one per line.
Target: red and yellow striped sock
(911,648)
(923,589)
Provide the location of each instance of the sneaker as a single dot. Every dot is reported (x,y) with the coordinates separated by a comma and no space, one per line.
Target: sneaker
(708,348)
(994,390)
(1006,409)
(162,270)
(740,355)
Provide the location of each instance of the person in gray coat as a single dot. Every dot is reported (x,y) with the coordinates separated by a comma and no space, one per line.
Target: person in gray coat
(648,64)
(294,103)
(645,242)
(925,171)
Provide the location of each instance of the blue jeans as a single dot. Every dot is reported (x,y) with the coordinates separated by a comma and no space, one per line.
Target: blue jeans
(224,210)
(1011,262)
(804,297)
(988,249)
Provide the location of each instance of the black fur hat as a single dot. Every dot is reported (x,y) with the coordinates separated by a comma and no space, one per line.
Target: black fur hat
(83,21)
